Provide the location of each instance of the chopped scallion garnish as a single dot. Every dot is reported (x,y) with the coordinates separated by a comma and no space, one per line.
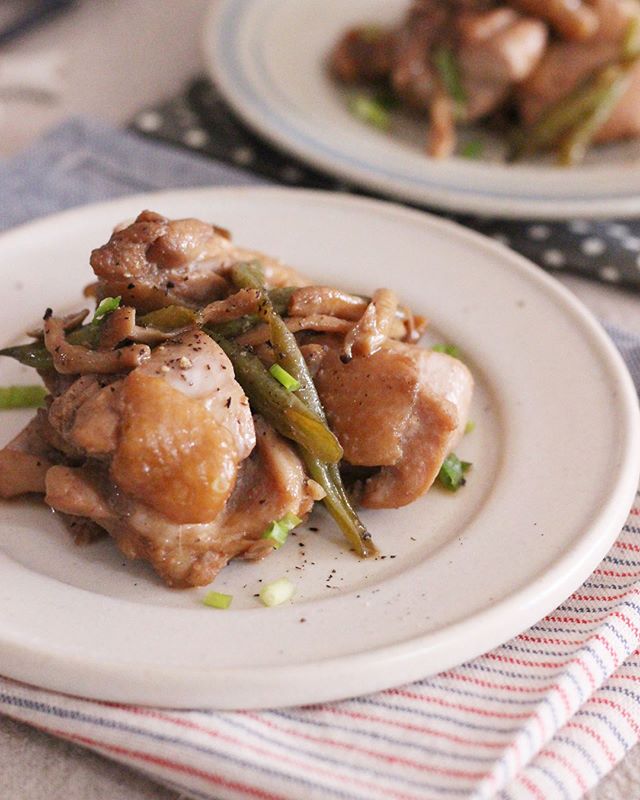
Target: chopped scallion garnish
(371,111)
(217,600)
(449,349)
(106,306)
(449,71)
(472,149)
(277,592)
(452,472)
(278,531)
(22,396)
(470,426)
(283,377)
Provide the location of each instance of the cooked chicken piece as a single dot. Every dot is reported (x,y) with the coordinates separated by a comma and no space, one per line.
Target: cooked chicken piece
(572,19)
(412,76)
(171,474)
(402,409)
(562,69)
(196,366)
(24,462)
(270,484)
(362,54)
(500,47)
(614,18)
(156,262)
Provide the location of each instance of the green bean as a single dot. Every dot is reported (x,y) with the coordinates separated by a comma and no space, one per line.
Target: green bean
(567,113)
(284,410)
(35,354)
(290,358)
(169,318)
(575,144)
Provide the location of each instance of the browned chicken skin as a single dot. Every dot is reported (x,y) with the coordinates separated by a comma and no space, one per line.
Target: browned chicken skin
(172,472)
(402,409)
(156,262)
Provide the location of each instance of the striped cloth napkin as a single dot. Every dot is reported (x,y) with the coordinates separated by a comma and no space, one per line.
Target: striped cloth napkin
(544,716)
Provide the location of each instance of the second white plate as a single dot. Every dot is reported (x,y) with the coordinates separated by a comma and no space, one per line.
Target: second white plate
(269,57)
(556,458)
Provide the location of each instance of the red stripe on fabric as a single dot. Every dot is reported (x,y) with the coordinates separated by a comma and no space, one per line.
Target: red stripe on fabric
(543,664)
(612,573)
(183,723)
(595,736)
(457,706)
(627,621)
(512,687)
(525,637)
(407,726)
(149,758)
(521,662)
(531,786)
(611,704)
(452,773)
(607,646)
(628,546)
(567,765)
(606,598)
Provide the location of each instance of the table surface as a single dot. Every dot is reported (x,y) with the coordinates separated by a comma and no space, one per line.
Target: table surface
(109,60)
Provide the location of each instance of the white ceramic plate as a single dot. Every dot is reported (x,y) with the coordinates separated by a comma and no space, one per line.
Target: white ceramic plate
(555,453)
(268,57)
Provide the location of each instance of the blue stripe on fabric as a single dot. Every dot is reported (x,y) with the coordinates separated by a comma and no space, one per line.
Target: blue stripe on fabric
(552,777)
(429,715)
(583,712)
(103,722)
(325,759)
(542,701)
(313,723)
(566,740)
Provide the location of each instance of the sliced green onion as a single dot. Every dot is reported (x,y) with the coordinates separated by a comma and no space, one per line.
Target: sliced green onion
(449,71)
(283,377)
(278,531)
(470,426)
(452,472)
(290,521)
(449,349)
(472,149)
(22,396)
(105,307)
(371,111)
(217,600)
(277,592)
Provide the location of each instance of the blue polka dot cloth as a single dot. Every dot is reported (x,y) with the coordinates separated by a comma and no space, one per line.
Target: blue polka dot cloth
(200,120)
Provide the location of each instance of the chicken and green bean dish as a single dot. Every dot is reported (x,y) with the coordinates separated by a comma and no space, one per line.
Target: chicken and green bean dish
(552,76)
(215,395)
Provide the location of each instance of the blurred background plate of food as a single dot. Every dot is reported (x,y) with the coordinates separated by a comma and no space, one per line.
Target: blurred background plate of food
(518,109)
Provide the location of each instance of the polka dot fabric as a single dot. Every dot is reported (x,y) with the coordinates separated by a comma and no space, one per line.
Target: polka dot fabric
(200,120)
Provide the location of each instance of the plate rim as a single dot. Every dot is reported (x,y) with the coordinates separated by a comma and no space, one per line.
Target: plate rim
(368,178)
(292,679)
